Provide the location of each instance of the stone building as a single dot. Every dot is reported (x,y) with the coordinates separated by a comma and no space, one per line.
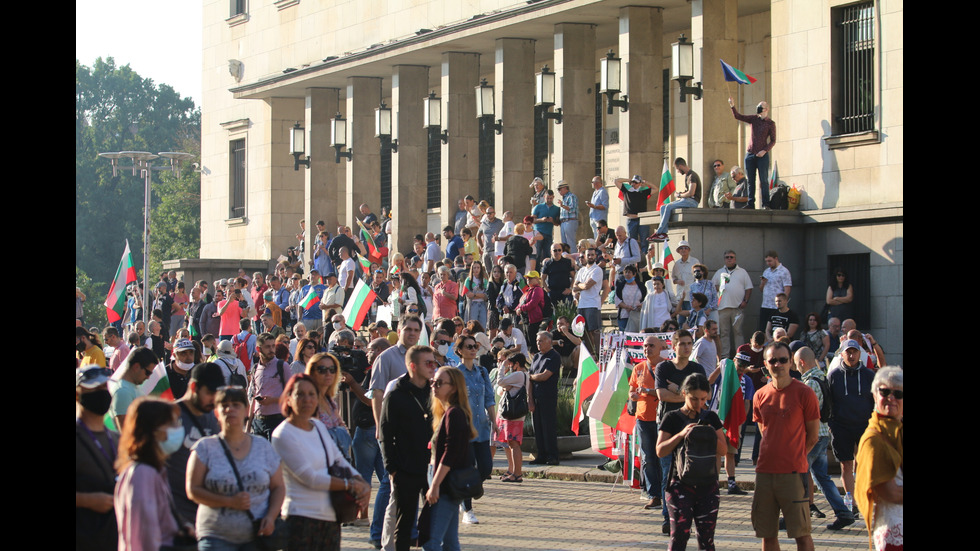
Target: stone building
(832,71)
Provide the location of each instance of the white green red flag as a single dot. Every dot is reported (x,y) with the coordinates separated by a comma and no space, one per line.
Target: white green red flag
(668,258)
(365,264)
(373,254)
(158,384)
(115,302)
(602,438)
(311,299)
(774,177)
(358,305)
(666,187)
(731,403)
(586,385)
(609,403)
(734,75)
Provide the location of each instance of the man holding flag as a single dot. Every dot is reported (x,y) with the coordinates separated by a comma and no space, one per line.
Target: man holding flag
(761,142)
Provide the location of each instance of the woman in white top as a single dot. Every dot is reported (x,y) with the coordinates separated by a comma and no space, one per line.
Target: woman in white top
(656,307)
(307,453)
(513,376)
(232,497)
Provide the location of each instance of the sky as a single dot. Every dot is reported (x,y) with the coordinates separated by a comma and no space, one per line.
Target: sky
(159,40)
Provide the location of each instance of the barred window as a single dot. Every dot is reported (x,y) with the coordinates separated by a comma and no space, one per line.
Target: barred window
(487,147)
(236,173)
(434,169)
(854,84)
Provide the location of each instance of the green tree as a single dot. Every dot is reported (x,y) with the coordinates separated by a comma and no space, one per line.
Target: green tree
(95,293)
(117,110)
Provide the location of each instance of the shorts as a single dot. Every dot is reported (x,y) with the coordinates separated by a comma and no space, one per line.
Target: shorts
(510,431)
(733,449)
(844,441)
(789,493)
(592,319)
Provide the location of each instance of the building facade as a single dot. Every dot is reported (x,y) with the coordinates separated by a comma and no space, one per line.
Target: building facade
(831,71)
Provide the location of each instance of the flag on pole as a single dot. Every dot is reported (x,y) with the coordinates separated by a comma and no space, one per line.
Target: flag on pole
(666,187)
(774,177)
(365,264)
(668,258)
(115,302)
(609,403)
(586,384)
(312,299)
(734,75)
(601,438)
(373,254)
(731,404)
(358,305)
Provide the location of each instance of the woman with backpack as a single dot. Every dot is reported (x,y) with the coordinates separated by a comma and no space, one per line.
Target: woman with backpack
(512,378)
(692,491)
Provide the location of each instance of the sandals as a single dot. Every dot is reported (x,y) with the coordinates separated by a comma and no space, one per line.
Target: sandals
(512,478)
(506,474)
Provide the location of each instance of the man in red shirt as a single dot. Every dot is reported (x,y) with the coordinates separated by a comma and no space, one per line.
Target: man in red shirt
(788,415)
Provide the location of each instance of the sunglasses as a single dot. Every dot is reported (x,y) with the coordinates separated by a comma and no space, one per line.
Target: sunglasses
(886,392)
(780,361)
(442,342)
(321,369)
(471,346)
(437,383)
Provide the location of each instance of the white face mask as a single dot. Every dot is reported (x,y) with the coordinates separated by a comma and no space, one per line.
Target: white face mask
(185,366)
(206,352)
(759,349)
(443,349)
(337,326)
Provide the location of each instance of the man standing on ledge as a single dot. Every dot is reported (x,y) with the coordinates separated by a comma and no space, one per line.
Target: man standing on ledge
(634,194)
(761,140)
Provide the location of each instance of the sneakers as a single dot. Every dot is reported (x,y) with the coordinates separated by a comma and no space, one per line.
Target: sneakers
(657,237)
(469,517)
(665,528)
(840,523)
(814,512)
(376,544)
(734,490)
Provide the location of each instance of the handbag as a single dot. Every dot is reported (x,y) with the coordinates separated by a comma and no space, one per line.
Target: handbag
(280,534)
(514,407)
(344,505)
(465,483)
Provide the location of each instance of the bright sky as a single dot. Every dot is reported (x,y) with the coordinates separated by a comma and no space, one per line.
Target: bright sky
(159,40)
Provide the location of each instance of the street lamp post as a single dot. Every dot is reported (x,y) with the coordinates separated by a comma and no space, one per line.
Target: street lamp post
(142,162)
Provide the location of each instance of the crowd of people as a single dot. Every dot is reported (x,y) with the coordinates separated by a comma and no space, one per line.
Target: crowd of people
(281,406)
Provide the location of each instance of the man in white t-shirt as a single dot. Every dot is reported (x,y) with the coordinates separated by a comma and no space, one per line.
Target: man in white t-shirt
(348,273)
(513,336)
(734,290)
(588,287)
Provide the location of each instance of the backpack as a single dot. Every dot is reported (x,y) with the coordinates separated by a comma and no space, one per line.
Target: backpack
(241,350)
(779,198)
(697,456)
(515,407)
(235,378)
(826,410)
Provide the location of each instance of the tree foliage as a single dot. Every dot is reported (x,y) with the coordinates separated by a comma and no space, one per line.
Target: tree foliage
(117,110)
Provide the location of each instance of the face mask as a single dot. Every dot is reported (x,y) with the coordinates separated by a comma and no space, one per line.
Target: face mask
(206,352)
(697,275)
(185,366)
(630,279)
(443,349)
(759,349)
(337,326)
(175,439)
(97,402)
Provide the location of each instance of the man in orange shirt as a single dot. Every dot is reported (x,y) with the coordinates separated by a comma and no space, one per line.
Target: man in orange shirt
(643,390)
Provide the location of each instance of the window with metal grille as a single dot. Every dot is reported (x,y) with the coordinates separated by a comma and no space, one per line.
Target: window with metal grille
(540,142)
(853,71)
(434,169)
(386,172)
(485,169)
(236,171)
(666,109)
(858,270)
(598,130)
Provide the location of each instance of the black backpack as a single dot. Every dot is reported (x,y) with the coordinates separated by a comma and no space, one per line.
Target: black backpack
(512,408)
(697,456)
(826,410)
(235,378)
(779,198)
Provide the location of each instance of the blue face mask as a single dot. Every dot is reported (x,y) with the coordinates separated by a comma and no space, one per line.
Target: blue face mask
(175,439)
(630,279)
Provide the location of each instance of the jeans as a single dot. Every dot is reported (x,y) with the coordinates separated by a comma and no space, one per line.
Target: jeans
(544,249)
(752,164)
(594,224)
(756,441)
(647,433)
(341,436)
(484,463)
(477,311)
(817,458)
(444,533)
(664,475)
(368,460)
(211,543)
(685,305)
(638,232)
(669,208)
(568,230)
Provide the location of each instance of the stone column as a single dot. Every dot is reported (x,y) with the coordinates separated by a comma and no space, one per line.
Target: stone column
(277,209)
(514,149)
(324,177)
(461,156)
(409,84)
(641,127)
(364,170)
(575,65)
(714,132)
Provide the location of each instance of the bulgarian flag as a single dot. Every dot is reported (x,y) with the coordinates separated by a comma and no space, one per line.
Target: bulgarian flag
(373,254)
(731,404)
(601,438)
(312,299)
(358,305)
(115,302)
(666,189)
(365,264)
(158,384)
(586,384)
(668,258)
(609,403)
(774,177)
(734,75)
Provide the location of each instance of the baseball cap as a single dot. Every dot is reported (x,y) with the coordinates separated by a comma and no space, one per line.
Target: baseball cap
(850,343)
(183,344)
(91,376)
(225,350)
